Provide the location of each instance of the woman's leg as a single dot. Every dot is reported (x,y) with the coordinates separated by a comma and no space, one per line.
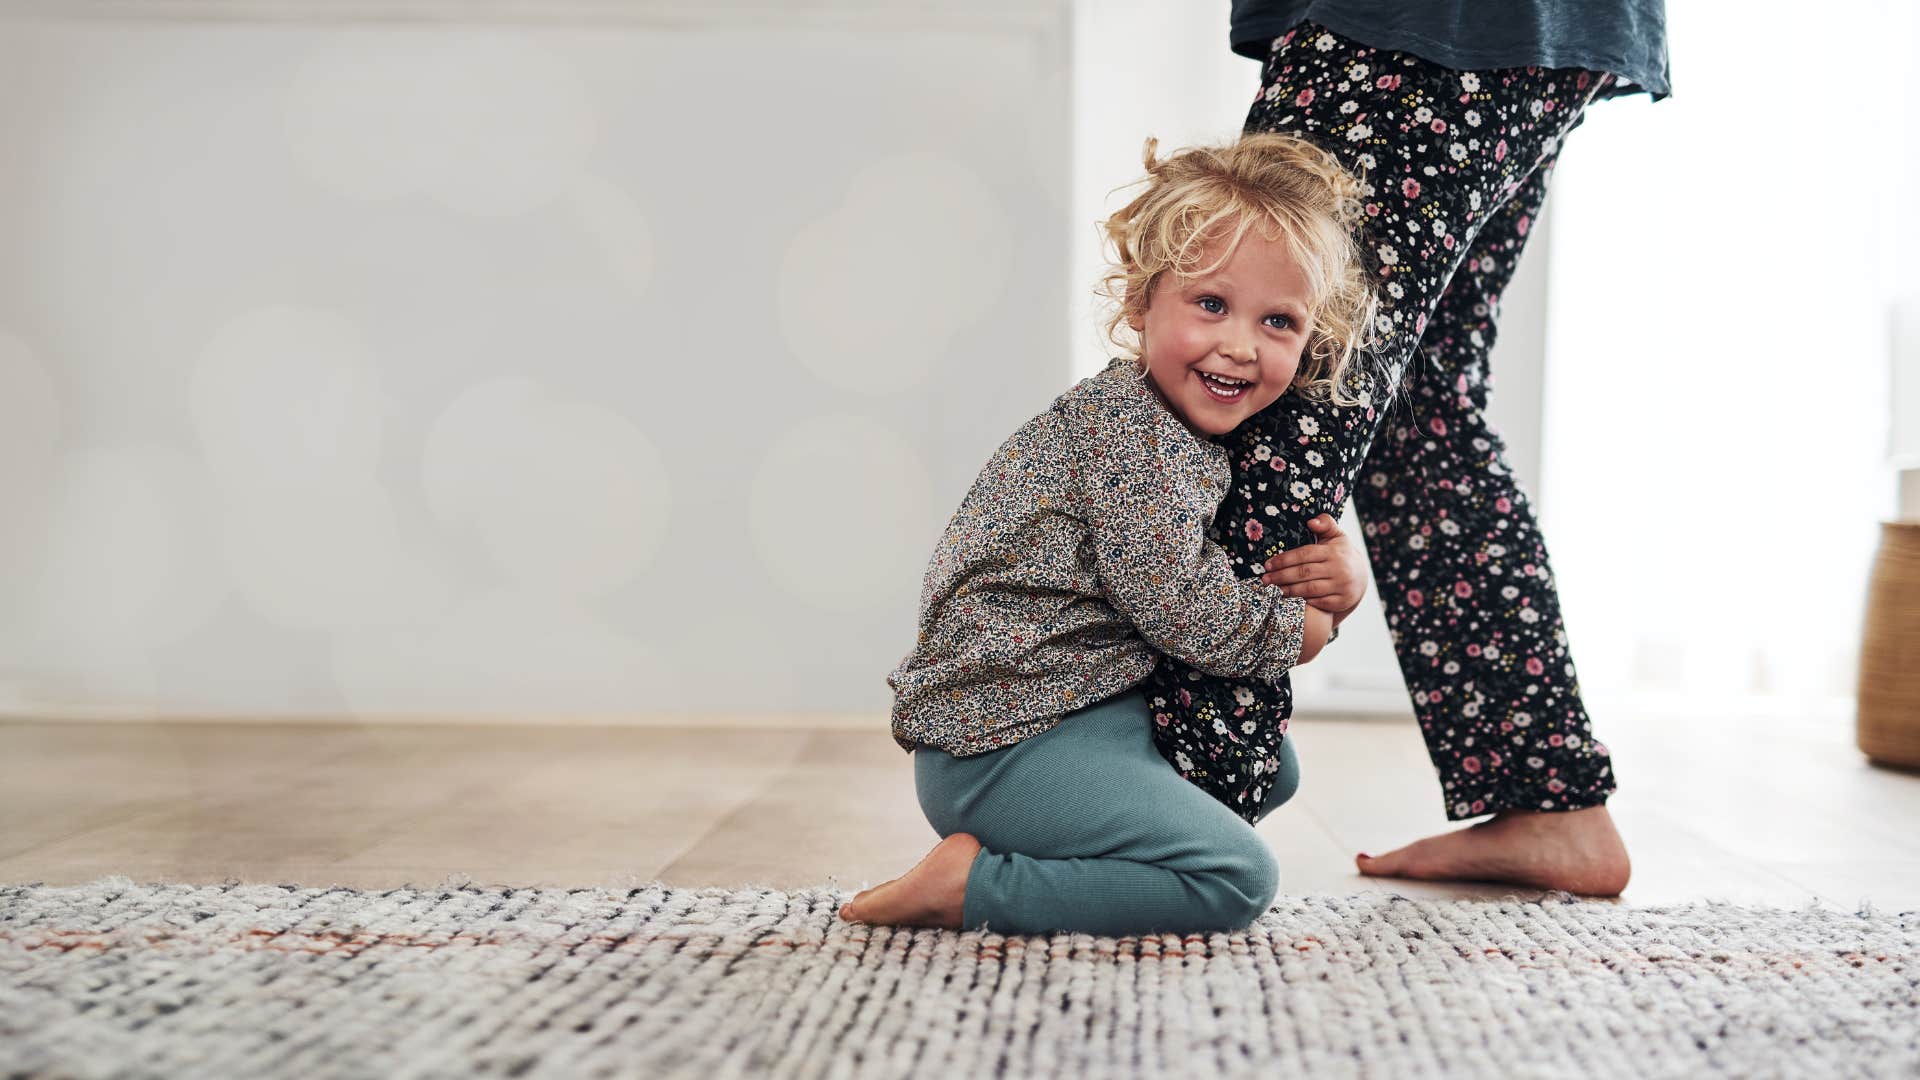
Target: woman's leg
(1443,153)
(1469,596)
(1462,568)
(1084,828)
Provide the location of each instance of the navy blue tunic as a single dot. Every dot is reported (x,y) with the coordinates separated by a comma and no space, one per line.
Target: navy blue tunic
(1625,37)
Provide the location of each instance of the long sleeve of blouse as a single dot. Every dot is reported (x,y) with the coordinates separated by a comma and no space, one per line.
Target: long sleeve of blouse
(1149,493)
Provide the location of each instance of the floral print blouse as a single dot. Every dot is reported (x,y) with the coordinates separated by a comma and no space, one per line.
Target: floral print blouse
(1080,554)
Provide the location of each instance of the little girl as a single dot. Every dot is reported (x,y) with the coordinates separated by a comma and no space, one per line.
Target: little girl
(1080,555)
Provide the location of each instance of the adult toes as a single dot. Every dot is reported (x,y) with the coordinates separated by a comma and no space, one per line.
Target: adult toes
(1392,864)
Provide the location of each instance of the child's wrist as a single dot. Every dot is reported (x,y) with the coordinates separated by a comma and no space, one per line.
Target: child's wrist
(1319,630)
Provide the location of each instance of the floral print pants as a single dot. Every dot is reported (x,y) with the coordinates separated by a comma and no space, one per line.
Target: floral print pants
(1457,165)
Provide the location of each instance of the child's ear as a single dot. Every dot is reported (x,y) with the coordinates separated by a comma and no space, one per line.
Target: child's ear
(1138,321)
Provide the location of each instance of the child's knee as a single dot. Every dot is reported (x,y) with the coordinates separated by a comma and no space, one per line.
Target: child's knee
(1249,882)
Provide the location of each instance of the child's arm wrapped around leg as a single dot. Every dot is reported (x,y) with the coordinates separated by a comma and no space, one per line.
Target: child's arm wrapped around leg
(1147,506)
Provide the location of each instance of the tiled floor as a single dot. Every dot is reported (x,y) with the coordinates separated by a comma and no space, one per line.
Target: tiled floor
(1758,812)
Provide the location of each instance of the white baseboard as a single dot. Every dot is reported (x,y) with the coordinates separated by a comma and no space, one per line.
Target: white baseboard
(135,714)
(1370,706)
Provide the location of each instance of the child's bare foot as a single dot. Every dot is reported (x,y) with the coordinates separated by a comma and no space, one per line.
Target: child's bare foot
(1576,850)
(931,894)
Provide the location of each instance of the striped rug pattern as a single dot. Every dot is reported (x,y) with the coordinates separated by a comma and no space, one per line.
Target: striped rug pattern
(114,978)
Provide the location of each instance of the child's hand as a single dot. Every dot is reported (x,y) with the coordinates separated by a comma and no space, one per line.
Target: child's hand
(1331,572)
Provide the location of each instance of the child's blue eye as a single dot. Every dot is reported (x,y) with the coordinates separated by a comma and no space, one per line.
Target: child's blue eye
(1283,318)
(1205,300)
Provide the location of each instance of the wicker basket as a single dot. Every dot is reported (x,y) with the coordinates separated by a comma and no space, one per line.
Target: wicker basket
(1889,716)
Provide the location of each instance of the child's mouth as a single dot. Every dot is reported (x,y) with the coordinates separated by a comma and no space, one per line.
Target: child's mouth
(1220,388)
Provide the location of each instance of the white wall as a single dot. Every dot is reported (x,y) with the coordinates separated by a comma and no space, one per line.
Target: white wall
(1717,408)
(547,358)
(1899,268)
(535,358)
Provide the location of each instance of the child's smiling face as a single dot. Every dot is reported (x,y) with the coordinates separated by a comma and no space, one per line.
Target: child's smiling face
(1221,346)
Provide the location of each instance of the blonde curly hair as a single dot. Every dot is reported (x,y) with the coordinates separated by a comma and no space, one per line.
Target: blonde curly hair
(1287,187)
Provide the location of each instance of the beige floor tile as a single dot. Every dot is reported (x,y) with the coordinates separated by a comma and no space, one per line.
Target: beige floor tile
(1674,862)
(1767,813)
(1370,784)
(630,798)
(1888,885)
(845,815)
(1776,793)
(57,781)
(57,872)
(1310,859)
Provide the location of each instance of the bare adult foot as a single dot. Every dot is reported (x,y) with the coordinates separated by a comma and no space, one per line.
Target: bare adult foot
(931,894)
(1576,850)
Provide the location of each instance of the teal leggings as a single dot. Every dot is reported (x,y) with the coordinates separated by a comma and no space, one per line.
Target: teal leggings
(1085,827)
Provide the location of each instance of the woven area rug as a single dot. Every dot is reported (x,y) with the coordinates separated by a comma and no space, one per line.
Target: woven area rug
(118,979)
